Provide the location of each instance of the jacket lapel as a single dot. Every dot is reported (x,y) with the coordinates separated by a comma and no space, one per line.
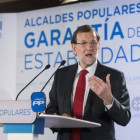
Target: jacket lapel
(100,70)
(70,75)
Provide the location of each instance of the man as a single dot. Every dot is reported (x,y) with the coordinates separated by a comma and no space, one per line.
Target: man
(99,96)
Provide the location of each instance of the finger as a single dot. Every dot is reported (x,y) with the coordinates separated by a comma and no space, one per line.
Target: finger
(93,87)
(108,79)
(89,79)
(92,82)
(100,81)
(66,115)
(97,82)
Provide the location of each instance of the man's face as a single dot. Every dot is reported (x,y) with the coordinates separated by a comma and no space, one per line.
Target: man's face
(88,49)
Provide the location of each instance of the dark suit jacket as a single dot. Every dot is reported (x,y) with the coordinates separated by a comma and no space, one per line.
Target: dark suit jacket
(60,102)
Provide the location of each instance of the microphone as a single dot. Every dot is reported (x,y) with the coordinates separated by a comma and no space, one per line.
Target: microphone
(61,64)
(47,67)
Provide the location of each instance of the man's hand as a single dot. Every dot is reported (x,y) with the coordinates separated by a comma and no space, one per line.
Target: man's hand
(67,115)
(101,89)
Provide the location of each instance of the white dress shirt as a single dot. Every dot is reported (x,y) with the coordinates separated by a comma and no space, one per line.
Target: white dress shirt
(91,72)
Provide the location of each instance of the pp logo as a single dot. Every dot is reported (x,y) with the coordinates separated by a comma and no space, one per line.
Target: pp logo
(38,101)
(136,103)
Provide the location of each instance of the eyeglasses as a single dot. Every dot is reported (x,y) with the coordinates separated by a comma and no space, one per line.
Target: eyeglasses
(93,43)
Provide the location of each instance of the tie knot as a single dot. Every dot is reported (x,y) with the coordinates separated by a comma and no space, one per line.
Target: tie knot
(83,72)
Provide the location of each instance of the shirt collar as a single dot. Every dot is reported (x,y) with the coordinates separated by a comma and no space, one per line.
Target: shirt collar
(91,69)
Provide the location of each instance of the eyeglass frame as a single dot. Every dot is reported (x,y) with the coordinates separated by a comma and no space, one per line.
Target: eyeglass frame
(82,44)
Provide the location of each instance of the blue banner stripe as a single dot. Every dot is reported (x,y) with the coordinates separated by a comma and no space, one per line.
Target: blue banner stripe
(0,25)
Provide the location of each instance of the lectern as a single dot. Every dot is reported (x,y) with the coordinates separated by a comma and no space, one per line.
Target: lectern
(20,122)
